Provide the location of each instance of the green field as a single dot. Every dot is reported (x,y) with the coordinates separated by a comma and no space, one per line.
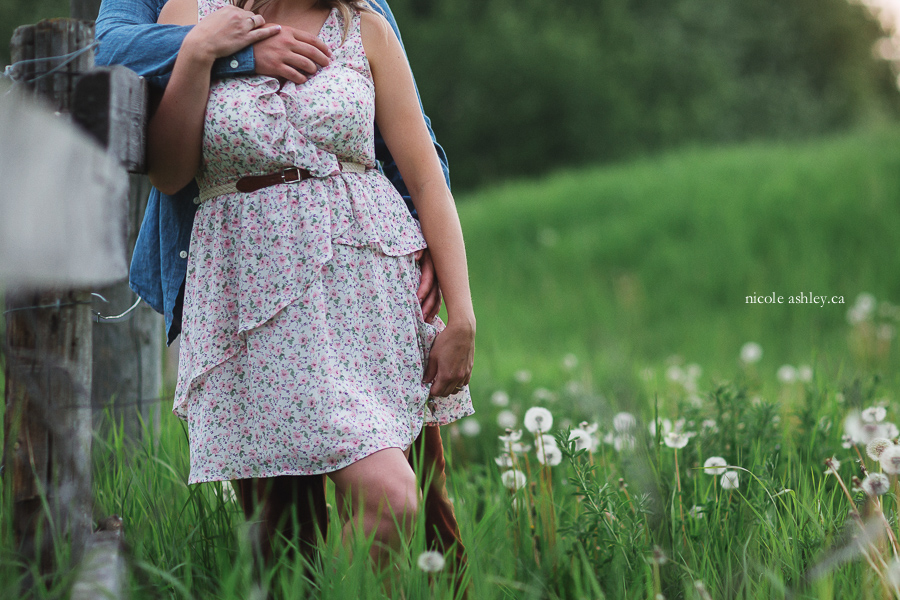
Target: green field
(615,289)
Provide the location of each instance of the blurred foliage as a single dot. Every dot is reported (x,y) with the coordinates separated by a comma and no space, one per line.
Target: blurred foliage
(519,87)
(516,88)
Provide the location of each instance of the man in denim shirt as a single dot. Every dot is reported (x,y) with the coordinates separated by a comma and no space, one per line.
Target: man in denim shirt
(129,35)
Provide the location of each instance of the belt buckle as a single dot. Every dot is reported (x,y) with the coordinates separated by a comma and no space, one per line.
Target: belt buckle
(295,171)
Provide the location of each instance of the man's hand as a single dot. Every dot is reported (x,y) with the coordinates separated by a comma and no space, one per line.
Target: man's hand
(291,54)
(429,292)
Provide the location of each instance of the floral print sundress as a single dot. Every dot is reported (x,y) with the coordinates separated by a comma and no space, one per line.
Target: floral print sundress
(303,343)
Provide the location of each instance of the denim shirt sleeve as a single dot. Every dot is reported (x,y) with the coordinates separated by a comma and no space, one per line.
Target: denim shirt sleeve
(129,35)
(381,150)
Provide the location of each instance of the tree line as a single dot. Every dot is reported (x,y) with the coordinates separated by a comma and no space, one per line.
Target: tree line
(519,87)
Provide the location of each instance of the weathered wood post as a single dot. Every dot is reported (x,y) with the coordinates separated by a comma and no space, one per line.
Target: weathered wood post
(127,355)
(48,342)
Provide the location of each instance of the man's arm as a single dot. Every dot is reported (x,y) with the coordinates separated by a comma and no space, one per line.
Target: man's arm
(381,150)
(129,35)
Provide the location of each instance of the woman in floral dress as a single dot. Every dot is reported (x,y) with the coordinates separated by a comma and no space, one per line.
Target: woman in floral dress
(303,347)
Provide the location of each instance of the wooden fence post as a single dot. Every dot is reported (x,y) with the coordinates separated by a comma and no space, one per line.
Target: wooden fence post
(128,356)
(48,344)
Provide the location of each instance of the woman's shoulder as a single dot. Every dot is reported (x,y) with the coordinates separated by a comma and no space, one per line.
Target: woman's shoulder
(376,33)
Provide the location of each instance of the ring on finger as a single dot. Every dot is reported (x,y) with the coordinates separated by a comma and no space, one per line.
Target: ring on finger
(252,22)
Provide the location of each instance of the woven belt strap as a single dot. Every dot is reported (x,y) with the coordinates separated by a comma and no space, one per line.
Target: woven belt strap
(252,183)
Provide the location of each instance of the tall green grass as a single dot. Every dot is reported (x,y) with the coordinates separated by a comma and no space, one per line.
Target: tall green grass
(622,267)
(636,262)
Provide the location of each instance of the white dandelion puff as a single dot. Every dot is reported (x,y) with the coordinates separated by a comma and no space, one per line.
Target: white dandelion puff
(538,419)
(751,353)
(549,455)
(715,465)
(675,374)
(697,512)
(730,480)
(676,440)
(804,373)
(500,398)
(885,332)
(523,376)
(520,448)
(513,479)
(569,362)
(876,484)
(582,439)
(787,374)
(709,425)
(832,465)
(504,461)
(507,419)
(890,460)
(548,440)
(470,427)
(624,421)
(511,436)
(874,414)
(664,425)
(876,447)
(431,561)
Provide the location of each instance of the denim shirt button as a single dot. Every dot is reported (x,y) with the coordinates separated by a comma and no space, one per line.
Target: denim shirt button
(182,254)
(197,200)
(234,64)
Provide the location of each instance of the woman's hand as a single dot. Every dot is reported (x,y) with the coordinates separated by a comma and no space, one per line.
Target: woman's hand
(451,359)
(225,31)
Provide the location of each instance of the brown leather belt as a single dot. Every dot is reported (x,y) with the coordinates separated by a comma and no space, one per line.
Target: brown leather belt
(251,183)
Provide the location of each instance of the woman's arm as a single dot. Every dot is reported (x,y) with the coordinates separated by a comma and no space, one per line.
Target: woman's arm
(403,127)
(175,133)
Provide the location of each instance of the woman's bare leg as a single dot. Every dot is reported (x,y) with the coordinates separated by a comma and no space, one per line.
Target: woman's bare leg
(381,488)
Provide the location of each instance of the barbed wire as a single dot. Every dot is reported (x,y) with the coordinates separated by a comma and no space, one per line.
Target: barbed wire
(97,316)
(9,71)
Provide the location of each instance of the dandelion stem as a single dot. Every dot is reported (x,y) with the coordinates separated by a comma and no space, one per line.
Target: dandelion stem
(680,500)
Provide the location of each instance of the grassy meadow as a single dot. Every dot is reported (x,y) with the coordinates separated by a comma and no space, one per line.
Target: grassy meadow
(615,298)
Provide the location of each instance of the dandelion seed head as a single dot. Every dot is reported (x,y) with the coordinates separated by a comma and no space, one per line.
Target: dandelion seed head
(513,479)
(590,428)
(582,439)
(873,414)
(804,373)
(658,557)
(431,561)
(624,421)
(511,436)
(832,465)
(470,427)
(569,361)
(507,419)
(715,465)
(500,398)
(520,448)
(504,461)
(730,480)
(523,376)
(751,353)
(697,512)
(675,374)
(538,419)
(787,374)
(846,441)
(549,455)
(876,484)
(548,440)
(877,446)
(709,425)
(885,332)
(676,440)
(890,460)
